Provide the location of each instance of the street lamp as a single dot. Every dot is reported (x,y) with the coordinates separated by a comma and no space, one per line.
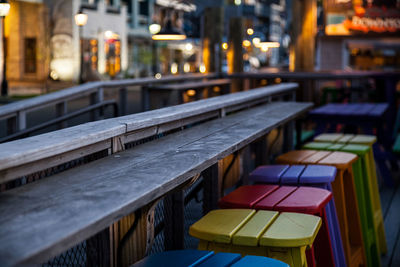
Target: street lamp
(168,32)
(81,20)
(4,9)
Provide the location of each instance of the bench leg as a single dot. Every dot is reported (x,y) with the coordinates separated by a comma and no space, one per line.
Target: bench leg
(145,99)
(98,249)
(288,136)
(174,221)
(212,187)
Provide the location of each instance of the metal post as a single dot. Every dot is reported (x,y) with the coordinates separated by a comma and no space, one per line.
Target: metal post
(81,62)
(4,83)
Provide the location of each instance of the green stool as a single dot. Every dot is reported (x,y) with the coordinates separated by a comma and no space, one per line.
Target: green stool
(371,219)
(367,140)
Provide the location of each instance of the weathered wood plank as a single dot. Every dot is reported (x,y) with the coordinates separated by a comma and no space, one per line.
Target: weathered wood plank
(43,164)
(315,75)
(396,254)
(392,229)
(42,146)
(78,203)
(168,114)
(386,194)
(39,147)
(49,99)
(152,80)
(190,85)
(86,89)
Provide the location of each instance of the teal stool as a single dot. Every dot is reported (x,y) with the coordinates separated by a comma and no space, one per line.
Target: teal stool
(201,258)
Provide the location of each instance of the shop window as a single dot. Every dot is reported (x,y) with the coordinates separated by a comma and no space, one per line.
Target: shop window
(128,3)
(110,2)
(113,56)
(144,8)
(93,52)
(90,2)
(30,55)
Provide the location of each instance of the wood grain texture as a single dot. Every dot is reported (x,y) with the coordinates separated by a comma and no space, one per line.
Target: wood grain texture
(43,164)
(54,143)
(42,219)
(39,147)
(178,112)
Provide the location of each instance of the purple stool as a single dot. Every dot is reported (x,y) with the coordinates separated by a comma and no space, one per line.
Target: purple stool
(310,175)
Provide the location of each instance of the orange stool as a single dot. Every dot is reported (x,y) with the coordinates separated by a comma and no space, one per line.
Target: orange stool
(344,193)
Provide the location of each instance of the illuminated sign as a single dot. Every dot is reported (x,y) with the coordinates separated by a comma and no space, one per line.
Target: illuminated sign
(362,17)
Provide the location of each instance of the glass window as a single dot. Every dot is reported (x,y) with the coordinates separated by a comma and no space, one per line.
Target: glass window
(144,7)
(30,55)
(91,2)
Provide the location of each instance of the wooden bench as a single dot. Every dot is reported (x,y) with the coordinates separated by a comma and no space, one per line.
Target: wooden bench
(175,91)
(16,113)
(41,220)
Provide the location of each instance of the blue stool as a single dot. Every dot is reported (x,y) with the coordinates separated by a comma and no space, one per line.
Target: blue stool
(312,175)
(200,258)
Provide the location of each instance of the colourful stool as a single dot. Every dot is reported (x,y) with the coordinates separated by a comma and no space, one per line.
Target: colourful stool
(283,236)
(199,258)
(293,199)
(345,196)
(367,196)
(311,175)
(368,140)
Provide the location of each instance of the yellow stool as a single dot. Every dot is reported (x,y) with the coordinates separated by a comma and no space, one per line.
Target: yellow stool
(367,140)
(284,236)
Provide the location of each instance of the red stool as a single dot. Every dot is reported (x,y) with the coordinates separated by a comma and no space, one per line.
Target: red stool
(308,200)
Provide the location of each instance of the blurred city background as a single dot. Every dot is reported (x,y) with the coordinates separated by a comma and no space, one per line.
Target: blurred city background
(46,49)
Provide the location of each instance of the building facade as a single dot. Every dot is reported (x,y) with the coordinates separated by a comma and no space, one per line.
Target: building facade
(102,43)
(26,33)
(359,35)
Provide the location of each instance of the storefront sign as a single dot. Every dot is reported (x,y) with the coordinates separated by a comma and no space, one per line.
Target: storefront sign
(362,17)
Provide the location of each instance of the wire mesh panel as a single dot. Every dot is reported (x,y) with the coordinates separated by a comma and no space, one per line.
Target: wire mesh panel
(53,170)
(88,253)
(158,243)
(75,256)
(193,213)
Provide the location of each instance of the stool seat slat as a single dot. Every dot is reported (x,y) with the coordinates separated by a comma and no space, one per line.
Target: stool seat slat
(292,230)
